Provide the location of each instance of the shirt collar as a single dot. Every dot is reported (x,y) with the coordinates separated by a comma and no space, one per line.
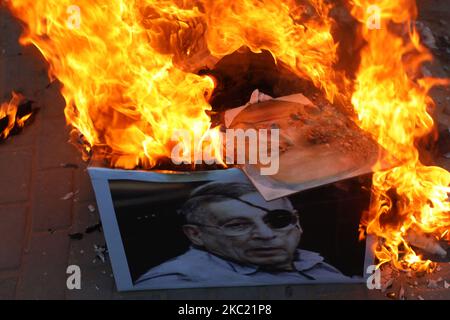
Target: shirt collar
(305,260)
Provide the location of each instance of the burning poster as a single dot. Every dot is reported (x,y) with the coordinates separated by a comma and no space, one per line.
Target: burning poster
(213,229)
(316,144)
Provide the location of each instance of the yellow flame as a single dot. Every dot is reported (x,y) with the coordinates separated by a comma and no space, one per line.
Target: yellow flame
(126,65)
(8,111)
(128,70)
(392,103)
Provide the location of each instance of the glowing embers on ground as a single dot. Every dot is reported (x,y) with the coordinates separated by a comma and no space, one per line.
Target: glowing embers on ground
(14,114)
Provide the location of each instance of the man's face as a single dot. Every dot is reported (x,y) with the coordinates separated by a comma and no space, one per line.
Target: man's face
(262,245)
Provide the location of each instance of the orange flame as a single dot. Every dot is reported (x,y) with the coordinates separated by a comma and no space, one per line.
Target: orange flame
(127,70)
(8,115)
(126,65)
(392,103)
(298,35)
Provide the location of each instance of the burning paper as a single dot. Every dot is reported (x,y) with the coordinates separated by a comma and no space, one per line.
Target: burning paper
(318,145)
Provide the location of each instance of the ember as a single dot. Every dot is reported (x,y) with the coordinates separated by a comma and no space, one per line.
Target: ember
(14,114)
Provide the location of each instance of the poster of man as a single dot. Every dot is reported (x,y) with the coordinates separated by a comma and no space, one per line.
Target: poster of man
(224,233)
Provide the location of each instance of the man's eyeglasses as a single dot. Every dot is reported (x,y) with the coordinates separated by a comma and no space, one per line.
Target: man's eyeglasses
(277,219)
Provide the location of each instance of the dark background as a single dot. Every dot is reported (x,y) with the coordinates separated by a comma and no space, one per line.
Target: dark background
(151,229)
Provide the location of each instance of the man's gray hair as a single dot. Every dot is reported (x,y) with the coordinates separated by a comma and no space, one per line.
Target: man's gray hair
(194,211)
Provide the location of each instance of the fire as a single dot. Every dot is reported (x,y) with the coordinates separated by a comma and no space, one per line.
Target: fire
(128,70)
(122,94)
(392,103)
(9,117)
(297,35)
(126,65)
